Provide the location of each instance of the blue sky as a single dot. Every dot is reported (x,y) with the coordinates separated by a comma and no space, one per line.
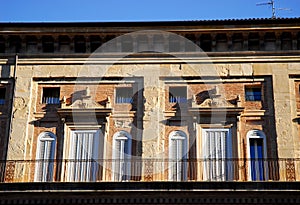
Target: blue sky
(140,10)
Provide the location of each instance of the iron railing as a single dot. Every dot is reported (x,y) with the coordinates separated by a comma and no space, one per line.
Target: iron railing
(99,170)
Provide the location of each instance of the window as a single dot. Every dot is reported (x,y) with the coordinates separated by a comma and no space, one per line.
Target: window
(142,43)
(95,43)
(51,95)
(253,42)
(64,43)
(2,96)
(2,44)
(253,93)
(237,42)
(31,43)
(174,43)
(127,44)
(44,157)
(270,41)
(178,94)
(190,44)
(83,155)
(124,95)
(79,44)
(286,41)
(48,44)
(121,156)
(217,151)
(177,156)
(15,44)
(221,42)
(158,43)
(206,42)
(257,153)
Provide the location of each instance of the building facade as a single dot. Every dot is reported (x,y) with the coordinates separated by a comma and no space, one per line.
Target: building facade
(194,101)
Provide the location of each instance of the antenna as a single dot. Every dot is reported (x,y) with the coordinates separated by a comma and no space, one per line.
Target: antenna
(272,3)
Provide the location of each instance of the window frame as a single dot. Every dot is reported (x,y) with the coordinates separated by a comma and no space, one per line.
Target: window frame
(254,96)
(126,99)
(3,100)
(56,100)
(226,162)
(257,134)
(178,162)
(174,99)
(121,159)
(76,163)
(47,164)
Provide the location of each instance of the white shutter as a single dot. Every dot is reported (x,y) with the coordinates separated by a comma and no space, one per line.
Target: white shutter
(121,166)
(82,153)
(177,156)
(116,160)
(44,157)
(215,153)
(172,156)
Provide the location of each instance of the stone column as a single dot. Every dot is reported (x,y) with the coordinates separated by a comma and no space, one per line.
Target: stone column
(245,41)
(87,44)
(229,41)
(261,38)
(213,42)
(278,41)
(294,40)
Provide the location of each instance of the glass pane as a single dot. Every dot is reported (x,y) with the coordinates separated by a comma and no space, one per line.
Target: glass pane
(256,155)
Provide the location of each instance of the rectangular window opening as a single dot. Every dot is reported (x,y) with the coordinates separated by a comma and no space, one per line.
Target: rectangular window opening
(124,95)
(51,95)
(178,94)
(2,96)
(253,94)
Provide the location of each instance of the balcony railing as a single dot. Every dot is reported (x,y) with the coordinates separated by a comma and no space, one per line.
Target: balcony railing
(150,170)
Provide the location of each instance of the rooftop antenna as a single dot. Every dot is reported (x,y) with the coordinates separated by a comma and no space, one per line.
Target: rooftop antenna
(271,3)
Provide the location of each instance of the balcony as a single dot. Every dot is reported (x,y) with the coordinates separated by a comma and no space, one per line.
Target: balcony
(150,170)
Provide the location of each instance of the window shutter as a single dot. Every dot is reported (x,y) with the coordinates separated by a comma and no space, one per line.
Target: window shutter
(215,153)
(82,154)
(121,166)
(177,156)
(44,157)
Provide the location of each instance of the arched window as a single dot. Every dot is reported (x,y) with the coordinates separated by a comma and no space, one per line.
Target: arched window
(45,156)
(177,156)
(257,153)
(121,156)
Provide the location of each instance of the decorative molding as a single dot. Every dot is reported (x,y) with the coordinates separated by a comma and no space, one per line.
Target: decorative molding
(212,98)
(82,100)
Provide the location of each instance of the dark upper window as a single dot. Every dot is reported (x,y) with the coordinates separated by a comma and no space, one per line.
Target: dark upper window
(127,44)
(206,42)
(237,42)
(124,95)
(79,44)
(95,43)
(253,42)
(253,94)
(2,44)
(51,95)
(2,96)
(48,44)
(177,94)
(286,41)
(15,43)
(174,44)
